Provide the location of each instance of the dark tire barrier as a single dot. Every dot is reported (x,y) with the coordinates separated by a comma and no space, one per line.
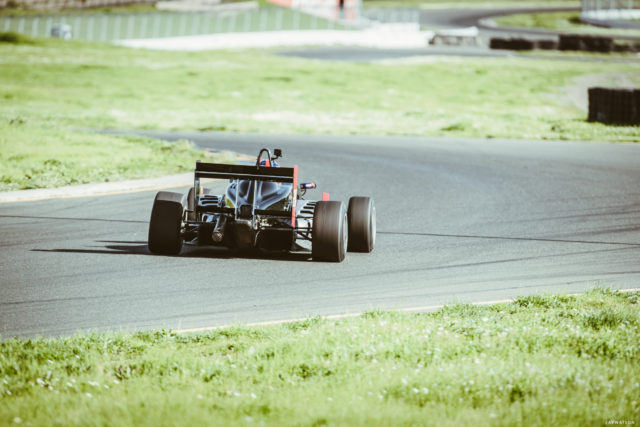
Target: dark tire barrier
(614,106)
(586,43)
(546,44)
(511,44)
(626,47)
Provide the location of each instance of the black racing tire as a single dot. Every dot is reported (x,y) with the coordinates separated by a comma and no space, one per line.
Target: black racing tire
(330,234)
(362,224)
(164,226)
(191,201)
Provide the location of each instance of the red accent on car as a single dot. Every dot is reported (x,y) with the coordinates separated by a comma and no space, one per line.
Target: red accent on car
(294,200)
(325,197)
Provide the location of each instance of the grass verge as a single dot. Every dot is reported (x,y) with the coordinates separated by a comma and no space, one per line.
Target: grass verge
(52,157)
(38,150)
(568,22)
(541,360)
(51,88)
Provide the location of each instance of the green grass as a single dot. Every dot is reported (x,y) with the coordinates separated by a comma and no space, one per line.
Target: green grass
(37,150)
(50,90)
(539,361)
(568,22)
(41,157)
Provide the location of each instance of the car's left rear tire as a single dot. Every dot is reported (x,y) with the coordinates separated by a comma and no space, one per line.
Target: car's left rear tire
(330,233)
(165,223)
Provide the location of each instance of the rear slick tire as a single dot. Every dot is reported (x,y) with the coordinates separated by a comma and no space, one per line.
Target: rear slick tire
(330,232)
(362,224)
(165,223)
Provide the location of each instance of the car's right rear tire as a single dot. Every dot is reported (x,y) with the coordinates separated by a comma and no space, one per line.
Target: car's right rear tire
(165,223)
(330,232)
(362,224)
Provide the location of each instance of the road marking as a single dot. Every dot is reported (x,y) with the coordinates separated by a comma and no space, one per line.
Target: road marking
(426,308)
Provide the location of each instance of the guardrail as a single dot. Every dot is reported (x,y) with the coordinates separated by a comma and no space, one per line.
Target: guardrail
(611,13)
(110,26)
(391,15)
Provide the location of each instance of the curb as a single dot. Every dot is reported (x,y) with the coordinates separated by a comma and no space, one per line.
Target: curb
(101,189)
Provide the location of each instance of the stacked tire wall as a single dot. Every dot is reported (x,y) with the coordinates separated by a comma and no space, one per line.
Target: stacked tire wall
(585,43)
(614,106)
(511,44)
(566,42)
(521,44)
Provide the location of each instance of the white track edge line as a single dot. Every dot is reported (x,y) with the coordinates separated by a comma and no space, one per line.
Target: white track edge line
(426,308)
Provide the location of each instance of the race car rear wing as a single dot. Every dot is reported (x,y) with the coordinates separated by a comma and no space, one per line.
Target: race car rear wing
(251,173)
(248,172)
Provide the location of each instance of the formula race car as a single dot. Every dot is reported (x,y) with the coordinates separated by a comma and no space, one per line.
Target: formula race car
(262,209)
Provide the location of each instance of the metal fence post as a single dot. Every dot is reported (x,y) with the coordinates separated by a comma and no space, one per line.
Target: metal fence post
(263,18)
(196,25)
(278,25)
(103,28)
(76,33)
(143,26)
(34,27)
(232,22)
(116,28)
(207,23)
(130,26)
(168,26)
(156,25)
(245,22)
(90,28)
(217,24)
(296,19)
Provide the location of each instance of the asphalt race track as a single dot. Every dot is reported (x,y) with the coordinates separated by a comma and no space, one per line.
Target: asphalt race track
(458,220)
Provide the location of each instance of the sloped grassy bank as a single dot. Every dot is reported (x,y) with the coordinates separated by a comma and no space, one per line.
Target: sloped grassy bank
(541,360)
(50,90)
